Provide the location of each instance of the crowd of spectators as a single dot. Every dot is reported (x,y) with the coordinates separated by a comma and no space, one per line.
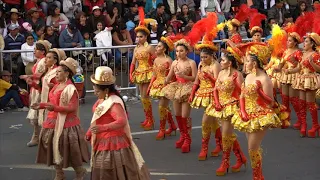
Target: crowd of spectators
(75,23)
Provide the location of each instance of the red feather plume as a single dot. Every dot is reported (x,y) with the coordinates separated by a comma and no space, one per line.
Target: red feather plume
(255,18)
(141,15)
(211,26)
(304,24)
(196,32)
(316,20)
(243,13)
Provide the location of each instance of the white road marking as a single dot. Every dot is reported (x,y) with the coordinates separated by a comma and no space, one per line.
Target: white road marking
(156,131)
(43,167)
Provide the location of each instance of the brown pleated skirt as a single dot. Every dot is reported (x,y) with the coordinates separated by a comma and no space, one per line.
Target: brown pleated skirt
(117,165)
(72,145)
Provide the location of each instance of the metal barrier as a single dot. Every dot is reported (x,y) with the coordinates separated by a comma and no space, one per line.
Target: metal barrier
(115,56)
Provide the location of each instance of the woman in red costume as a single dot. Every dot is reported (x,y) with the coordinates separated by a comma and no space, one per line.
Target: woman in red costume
(306,83)
(41,49)
(255,19)
(48,79)
(226,97)
(161,68)
(202,90)
(62,142)
(256,113)
(114,154)
(143,54)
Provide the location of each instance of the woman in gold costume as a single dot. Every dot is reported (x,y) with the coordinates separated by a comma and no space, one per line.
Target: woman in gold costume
(185,70)
(161,67)
(226,97)
(256,112)
(202,95)
(306,83)
(143,54)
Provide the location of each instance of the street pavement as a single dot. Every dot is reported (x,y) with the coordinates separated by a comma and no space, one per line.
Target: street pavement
(286,156)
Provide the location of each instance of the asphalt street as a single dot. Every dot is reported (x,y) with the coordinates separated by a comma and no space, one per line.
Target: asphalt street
(286,156)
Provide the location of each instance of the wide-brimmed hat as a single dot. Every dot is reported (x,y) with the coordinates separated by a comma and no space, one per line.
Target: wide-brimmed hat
(103,76)
(14,10)
(71,64)
(95,8)
(34,9)
(168,42)
(315,37)
(46,44)
(5,73)
(61,54)
(261,50)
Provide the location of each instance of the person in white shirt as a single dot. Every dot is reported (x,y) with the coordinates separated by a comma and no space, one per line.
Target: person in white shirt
(209,6)
(28,57)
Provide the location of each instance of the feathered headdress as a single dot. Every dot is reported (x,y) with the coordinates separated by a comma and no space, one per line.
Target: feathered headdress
(168,41)
(144,22)
(279,38)
(304,24)
(255,19)
(316,26)
(290,29)
(241,16)
(261,50)
(211,32)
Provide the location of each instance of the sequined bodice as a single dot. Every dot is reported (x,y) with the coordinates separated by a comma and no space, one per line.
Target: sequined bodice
(225,89)
(185,70)
(142,58)
(161,71)
(306,66)
(251,98)
(205,82)
(293,59)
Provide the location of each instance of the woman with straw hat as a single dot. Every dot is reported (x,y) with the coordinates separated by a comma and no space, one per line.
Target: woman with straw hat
(114,153)
(41,49)
(62,141)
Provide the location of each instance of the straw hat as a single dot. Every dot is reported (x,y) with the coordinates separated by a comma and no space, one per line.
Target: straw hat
(261,50)
(46,44)
(34,9)
(168,42)
(71,64)
(315,37)
(14,10)
(103,76)
(61,54)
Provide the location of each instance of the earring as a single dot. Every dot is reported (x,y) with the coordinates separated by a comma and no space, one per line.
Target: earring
(254,71)
(229,70)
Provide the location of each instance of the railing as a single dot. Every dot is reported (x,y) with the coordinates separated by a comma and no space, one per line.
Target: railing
(110,59)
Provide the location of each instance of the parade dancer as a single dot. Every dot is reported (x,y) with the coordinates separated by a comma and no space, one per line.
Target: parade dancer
(307,83)
(161,67)
(110,134)
(256,113)
(202,90)
(226,98)
(41,49)
(62,140)
(144,55)
(255,19)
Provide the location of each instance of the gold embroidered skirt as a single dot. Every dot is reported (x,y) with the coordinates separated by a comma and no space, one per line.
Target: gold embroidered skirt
(119,165)
(306,82)
(141,76)
(258,121)
(202,98)
(178,91)
(288,78)
(228,110)
(283,113)
(72,146)
(156,89)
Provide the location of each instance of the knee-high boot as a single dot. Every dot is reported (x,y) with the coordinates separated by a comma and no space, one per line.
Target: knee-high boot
(163,118)
(35,136)
(303,117)
(295,101)
(148,124)
(314,131)
(187,122)
(285,102)
(80,172)
(179,143)
(227,142)
(59,173)
(215,128)
(172,126)
(241,158)
(206,132)
(256,164)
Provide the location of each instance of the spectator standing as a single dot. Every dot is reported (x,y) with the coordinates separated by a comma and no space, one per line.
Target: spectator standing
(28,57)
(151,5)
(162,19)
(209,6)
(277,12)
(96,17)
(71,8)
(57,20)
(33,17)
(189,3)
(9,91)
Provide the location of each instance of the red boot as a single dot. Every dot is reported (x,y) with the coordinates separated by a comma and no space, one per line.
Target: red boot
(172,126)
(218,138)
(185,148)
(241,158)
(179,143)
(285,102)
(148,113)
(206,132)
(303,118)
(256,164)
(295,101)
(227,141)
(145,104)
(163,118)
(314,131)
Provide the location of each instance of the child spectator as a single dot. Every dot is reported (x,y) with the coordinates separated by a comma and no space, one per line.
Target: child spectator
(287,19)
(88,43)
(38,33)
(175,23)
(52,37)
(99,29)
(28,57)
